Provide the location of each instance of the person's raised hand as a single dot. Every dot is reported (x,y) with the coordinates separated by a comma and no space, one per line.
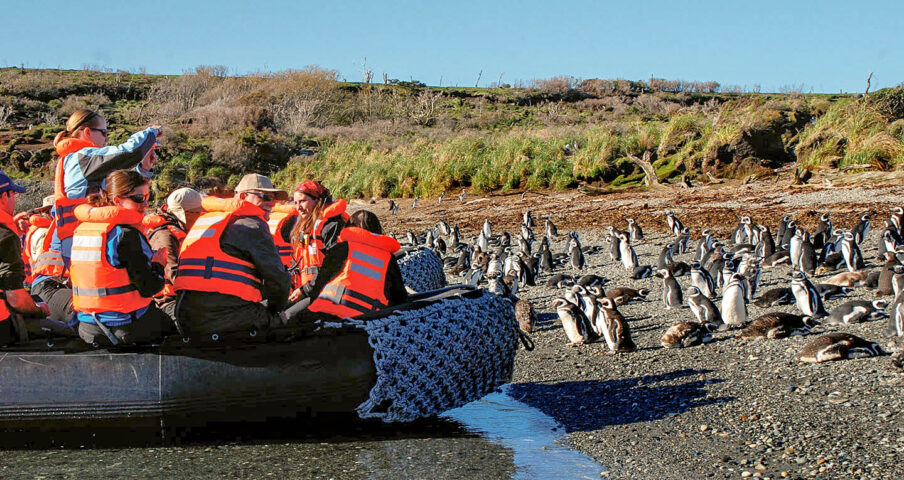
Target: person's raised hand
(21,221)
(149,160)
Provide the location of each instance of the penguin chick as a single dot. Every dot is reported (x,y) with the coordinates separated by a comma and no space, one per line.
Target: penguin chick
(775,297)
(526,315)
(838,346)
(685,334)
(622,295)
(849,279)
(857,311)
(778,325)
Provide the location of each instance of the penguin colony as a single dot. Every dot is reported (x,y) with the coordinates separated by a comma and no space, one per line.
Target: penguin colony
(714,287)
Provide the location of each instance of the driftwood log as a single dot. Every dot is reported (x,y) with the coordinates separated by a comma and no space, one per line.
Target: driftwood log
(650,173)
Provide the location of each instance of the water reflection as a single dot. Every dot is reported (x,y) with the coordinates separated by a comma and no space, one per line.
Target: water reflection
(533,436)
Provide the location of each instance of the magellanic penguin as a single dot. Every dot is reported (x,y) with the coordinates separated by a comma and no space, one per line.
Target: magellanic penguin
(665,256)
(778,325)
(551,230)
(766,246)
(896,316)
(526,315)
(807,296)
(642,271)
(701,279)
(614,246)
(838,346)
(848,279)
(775,297)
(853,257)
(861,229)
(734,302)
(628,255)
(622,295)
(611,325)
(685,334)
(634,230)
(857,311)
(672,295)
(682,239)
(704,309)
(577,327)
(577,258)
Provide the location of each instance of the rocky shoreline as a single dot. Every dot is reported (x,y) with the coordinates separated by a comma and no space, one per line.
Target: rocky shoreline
(727,409)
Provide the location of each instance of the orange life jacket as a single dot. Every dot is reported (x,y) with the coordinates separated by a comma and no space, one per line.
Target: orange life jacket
(98,286)
(37,222)
(152,223)
(279,217)
(49,262)
(63,207)
(310,254)
(204,266)
(361,284)
(7,221)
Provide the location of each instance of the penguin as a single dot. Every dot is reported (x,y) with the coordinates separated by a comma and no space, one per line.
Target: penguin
(838,346)
(462,196)
(896,317)
(807,260)
(684,335)
(495,284)
(414,203)
(704,309)
(896,217)
(682,239)
(614,247)
(789,232)
(674,223)
(672,295)
(861,229)
(622,295)
(705,245)
(886,274)
(546,263)
(579,296)
(494,266)
(611,325)
(576,326)
(781,257)
(474,275)
(782,227)
(441,197)
(701,279)
(577,258)
(807,297)
(728,269)
(853,257)
(678,269)
(777,325)
(823,231)
(528,219)
(634,230)
(524,245)
(592,280)
(734,304)
(665,256)
(857,311)
(766,246)
(848,279)
(642,271)
(487,228)
(795,245)
(628,255)
(551,230)
(830,292)
(412,239)
(526,315)
(560,280)
(775,297)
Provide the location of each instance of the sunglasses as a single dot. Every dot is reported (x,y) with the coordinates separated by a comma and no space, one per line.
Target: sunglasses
(263,196)
(137,198)
(102,131)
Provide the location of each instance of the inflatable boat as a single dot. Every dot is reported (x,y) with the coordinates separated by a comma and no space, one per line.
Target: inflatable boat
(440,351)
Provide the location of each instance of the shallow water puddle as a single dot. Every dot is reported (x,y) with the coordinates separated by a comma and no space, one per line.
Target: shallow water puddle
(529,433)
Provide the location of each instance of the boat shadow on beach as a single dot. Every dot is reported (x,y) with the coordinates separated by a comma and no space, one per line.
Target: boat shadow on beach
(593,404)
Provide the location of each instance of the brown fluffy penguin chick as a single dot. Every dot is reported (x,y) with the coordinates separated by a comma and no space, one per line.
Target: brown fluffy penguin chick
(848,279)
(838,346)
(685,334)
(526,315)
(777,325)
(622,295)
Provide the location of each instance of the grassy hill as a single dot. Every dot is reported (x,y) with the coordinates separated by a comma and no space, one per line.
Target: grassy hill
(407,139)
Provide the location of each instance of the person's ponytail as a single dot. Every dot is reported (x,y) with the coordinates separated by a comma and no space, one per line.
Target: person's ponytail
(79,118)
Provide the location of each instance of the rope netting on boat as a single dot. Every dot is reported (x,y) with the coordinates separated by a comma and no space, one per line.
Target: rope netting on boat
(422,269)
(440,357)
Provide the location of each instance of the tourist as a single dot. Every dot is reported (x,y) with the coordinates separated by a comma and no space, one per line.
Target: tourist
(320,220)
(228,264)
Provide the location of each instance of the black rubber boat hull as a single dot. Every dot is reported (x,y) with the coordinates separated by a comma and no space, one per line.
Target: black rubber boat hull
(186,386)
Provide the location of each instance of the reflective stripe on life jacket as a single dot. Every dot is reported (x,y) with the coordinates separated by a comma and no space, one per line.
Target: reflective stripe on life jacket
(49,262)
(6,220)
(277,221)
(205,267)
(63,207)
(37,223)
(98,286)
(360,287)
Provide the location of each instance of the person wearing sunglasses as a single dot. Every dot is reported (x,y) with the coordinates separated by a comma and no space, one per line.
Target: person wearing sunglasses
(230,276)
(113,270)
(83,162)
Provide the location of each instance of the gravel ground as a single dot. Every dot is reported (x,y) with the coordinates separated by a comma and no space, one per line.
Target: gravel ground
(728,409)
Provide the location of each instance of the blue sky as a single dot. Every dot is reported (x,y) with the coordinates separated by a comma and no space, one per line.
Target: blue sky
(827,46)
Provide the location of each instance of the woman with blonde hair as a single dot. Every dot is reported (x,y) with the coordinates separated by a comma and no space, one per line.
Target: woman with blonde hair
(113,270)
(84,162)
